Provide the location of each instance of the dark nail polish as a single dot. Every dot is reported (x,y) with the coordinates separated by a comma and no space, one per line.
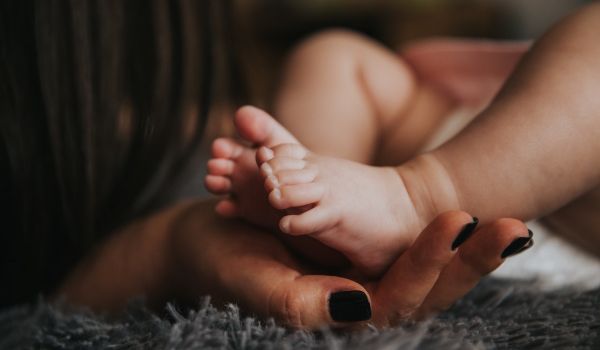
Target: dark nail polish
(349,306)
(465,233)
(518,245)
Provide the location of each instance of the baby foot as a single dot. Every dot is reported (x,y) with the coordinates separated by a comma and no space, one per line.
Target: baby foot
(361,211)
(233,171)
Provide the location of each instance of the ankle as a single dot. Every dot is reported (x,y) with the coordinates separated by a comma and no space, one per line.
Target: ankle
(429,187)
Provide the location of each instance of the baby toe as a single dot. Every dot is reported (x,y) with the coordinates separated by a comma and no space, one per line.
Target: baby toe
(296,177)
(287,150)
(226,148)
(271,183)
(258,127)
(264,154)
(220,166)
(279,164)
(217,184)
(291,177)
(227,208)
(292,196)
(312,221)
(291,150)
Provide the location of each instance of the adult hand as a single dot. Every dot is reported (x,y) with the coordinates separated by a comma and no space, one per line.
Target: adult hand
(236,263)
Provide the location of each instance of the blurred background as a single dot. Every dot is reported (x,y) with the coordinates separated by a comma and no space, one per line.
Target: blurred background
(265,30)
(269,28)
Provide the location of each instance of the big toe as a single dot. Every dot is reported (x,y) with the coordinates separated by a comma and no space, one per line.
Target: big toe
(258,127)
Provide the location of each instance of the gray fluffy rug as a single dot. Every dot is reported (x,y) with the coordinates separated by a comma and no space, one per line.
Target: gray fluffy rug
(497,314)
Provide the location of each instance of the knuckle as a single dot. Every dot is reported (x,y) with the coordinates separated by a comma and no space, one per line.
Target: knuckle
(396,317)
(291,313)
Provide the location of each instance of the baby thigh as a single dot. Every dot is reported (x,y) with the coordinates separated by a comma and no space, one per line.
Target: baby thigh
(339,93)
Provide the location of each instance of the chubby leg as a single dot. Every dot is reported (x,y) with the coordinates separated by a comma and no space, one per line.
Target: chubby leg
(536,146)
(340,90)
(345,95)
(467,72)
(368,96)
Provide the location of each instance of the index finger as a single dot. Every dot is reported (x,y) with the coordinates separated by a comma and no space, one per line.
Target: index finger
(409,280)
(482,254)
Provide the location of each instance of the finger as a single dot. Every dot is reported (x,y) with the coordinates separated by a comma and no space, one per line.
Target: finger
(264,279)
(477,257)
(236,263)
(408,281)
(313,301)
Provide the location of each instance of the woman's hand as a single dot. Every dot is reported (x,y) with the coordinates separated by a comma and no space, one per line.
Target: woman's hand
(236,263)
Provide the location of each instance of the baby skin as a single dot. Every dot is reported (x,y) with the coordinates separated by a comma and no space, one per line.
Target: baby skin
(501,165)
(364,212)
(350,207)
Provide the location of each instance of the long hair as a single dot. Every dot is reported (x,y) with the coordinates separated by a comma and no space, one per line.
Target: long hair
(101,102)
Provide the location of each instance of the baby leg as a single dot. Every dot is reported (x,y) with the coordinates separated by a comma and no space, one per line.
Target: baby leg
(536,146)
(345,95)
(468,72)
(340,91)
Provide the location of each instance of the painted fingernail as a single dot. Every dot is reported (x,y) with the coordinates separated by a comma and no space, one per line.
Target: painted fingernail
(519,245)
(465,233)
(266,169)
(349,306)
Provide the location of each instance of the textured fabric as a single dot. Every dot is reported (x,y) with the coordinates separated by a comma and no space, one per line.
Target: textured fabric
(498,314)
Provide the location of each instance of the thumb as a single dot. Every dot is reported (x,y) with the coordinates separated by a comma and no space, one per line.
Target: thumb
(312,301)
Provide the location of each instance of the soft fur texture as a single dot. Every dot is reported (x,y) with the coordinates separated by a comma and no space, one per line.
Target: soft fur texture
(498,314)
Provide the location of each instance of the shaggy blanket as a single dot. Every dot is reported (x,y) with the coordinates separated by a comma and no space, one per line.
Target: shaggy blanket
(497,314)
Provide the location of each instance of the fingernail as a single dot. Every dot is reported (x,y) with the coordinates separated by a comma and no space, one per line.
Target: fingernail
(266,168)
(519,245)
(349,306)
(465,233)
